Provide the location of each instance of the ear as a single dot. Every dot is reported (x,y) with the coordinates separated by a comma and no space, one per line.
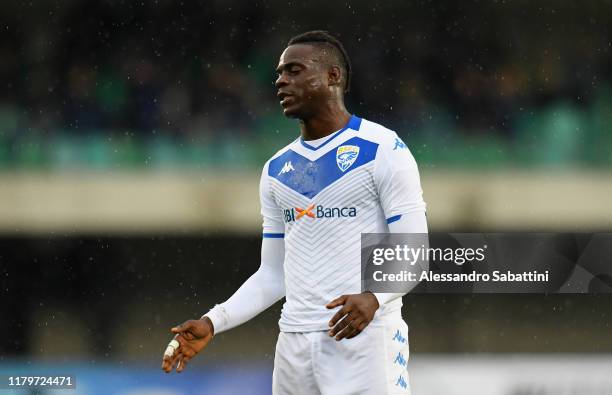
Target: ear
(334,76)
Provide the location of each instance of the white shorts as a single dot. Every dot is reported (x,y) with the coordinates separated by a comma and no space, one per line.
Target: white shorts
(374,362)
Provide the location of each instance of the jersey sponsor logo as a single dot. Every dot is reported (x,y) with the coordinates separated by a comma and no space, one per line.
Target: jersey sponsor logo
(286,168)
(305,211)
(346,155)
(317,211)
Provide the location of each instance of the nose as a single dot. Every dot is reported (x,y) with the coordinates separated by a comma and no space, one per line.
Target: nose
(281,80)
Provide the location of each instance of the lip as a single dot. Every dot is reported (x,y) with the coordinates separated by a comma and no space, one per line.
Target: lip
(286,100)
(281,95)
(284,97)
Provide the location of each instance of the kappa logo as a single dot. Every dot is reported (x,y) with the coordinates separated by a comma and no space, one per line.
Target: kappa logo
(286,168)
(399,144)
(400,359)
(401,382)
(346,155)
(398,337)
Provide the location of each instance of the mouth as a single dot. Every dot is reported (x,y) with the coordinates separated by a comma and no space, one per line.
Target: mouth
(284,98)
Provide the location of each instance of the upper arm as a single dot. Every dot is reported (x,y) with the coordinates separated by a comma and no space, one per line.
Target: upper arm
(273,225)
(397,179)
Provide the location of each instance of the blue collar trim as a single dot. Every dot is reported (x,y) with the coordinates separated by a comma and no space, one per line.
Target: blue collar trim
(354,123)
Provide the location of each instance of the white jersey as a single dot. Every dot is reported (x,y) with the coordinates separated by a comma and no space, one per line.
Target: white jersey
(320,200)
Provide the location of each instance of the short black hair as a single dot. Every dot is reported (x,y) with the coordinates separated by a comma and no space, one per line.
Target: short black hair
(323,37)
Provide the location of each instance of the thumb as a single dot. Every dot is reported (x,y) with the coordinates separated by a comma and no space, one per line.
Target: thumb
(185,326)
(337,302)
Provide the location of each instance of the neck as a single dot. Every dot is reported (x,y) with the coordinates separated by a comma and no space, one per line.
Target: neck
(333,117)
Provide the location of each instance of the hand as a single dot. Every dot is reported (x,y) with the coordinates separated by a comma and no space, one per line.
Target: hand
(358,311)
(193,336)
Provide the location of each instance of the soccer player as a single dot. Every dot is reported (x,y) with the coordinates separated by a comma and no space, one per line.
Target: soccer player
(342,177)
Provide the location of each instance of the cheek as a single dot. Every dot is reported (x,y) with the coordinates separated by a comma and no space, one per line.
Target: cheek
(315,86)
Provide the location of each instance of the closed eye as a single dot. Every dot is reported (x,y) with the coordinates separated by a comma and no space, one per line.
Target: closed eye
(292,69)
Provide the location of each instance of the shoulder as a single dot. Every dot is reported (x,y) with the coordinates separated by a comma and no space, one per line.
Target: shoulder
(277,158)
(386,138)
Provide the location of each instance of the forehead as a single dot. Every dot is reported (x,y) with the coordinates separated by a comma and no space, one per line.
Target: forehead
(300,53)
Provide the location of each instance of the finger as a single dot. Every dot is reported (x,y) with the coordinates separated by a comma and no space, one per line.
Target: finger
(337,302)
(173,345)
(338,317)
(169,353)
(187,356)
(340,325)
(347,330)
(349,333)
(189,352)
(166,365)
(175,360)
(172,359)
(182,364)
(359,326)
(339,314)
(185,326)
(185,347)
(182,341)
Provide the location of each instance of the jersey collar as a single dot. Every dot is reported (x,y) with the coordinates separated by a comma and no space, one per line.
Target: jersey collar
(353,123)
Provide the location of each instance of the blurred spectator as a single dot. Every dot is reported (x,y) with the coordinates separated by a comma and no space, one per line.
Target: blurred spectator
(180,70)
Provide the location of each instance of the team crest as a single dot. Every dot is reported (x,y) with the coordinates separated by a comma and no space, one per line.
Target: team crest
(346,155)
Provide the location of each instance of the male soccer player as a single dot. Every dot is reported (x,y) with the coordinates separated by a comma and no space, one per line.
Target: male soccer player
(342,177)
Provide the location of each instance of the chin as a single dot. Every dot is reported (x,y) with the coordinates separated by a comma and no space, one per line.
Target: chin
(290,112)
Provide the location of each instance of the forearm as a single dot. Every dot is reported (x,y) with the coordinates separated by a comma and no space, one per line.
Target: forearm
(260,291)
(415,222)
